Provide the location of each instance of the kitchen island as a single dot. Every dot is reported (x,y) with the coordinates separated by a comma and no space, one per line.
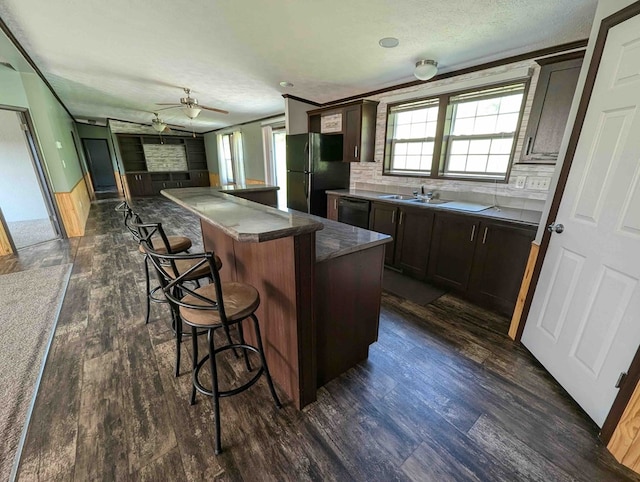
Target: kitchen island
(320,283)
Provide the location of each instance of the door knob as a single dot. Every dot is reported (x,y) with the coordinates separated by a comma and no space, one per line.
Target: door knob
(558,228)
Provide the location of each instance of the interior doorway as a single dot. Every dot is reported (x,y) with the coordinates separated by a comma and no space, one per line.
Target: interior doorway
(25,198)
(100,165)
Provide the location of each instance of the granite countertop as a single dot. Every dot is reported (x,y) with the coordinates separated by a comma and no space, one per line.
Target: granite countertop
(515,215)
(338,239)
(243,220)
(252,222)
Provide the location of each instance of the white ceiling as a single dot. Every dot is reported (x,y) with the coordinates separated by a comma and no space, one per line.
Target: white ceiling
(117,58)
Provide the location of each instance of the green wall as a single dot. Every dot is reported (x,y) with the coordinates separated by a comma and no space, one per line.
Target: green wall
(211,149)
(11,90)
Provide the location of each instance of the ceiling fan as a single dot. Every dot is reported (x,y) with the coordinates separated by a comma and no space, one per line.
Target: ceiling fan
(161,126)
(190,106)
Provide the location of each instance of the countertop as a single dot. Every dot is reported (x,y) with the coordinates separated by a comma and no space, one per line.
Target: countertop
(520,216)
(240,219)
(248,221)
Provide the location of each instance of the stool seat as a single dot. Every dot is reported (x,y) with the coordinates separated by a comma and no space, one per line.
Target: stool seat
(183,265)
(240,301)
(178,244)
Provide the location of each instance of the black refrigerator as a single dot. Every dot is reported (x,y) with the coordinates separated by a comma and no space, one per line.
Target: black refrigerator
(314,164)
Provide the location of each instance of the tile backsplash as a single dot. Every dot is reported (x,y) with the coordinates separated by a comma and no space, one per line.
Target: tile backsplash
(165,158)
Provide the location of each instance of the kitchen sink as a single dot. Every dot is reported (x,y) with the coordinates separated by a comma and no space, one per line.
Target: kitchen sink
(428,201)
(396,196)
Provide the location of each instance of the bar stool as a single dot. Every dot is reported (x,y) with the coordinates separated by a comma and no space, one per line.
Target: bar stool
(168,244)
(211,307)
(151,235)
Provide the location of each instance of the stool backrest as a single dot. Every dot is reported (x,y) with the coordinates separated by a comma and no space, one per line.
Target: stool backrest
(176,285)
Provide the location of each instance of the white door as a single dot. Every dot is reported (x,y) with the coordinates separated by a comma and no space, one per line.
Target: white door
(584,322)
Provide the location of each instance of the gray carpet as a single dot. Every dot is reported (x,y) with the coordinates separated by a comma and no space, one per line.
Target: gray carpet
(28,233)
(29,305)
(410,289)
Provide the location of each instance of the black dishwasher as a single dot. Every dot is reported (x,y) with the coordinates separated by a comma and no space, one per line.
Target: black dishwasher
(354,212)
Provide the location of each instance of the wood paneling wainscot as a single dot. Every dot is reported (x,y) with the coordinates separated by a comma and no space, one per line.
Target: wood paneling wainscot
(74,208)
(524,289)
(5,245)
(214,179)
(625,441)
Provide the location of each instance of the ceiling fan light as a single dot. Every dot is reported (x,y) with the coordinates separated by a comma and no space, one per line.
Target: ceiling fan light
(191,111)
(425,69)
(159,126)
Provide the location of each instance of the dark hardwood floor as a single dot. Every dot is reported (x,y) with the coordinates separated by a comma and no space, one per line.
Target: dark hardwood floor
(440,397)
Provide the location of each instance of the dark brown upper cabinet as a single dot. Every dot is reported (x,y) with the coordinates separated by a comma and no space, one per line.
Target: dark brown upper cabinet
(550,109)
(355,121)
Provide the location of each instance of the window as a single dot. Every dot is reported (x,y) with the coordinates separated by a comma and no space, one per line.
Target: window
(230,158)
(467,135)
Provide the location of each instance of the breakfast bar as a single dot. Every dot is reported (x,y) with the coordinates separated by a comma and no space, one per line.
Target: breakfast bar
(320,283)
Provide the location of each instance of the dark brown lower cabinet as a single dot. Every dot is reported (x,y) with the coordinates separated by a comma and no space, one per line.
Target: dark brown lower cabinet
(499,262)
(332,207)
(382,219)
(482,259)
(413,241)
(139,184)
(453,244)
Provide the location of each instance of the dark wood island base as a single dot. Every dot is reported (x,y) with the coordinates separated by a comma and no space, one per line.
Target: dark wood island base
(320,284)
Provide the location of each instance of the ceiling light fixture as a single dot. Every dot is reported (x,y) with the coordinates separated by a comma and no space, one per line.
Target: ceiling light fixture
(285,83)
(192,111)
(159,126)
(425,69)
(388,42)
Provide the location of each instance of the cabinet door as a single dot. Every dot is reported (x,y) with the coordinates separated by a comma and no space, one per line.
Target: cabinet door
(550,111)
(499,263)
(382,219)
(352,118)
(139,184)
(414,239)
(452,247)
(332,207)
(199,178)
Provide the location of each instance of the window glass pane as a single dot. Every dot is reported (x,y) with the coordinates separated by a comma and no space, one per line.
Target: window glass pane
(425,163)
(459,147)
(488,106)
(431,129)
(501,146)
(418,130)
(413,163)
(511,103)
(457,163)
(403,118)
(432,114)
(462,127)
(485,125)
(415,149)
(419,116)
(403,131)
(427,148)
(498,163)
(507,123)
(401,148)
(477,163)
(466,109)
(399,162)
(479,146)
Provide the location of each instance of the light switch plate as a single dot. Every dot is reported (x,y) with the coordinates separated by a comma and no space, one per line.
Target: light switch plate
(520,182)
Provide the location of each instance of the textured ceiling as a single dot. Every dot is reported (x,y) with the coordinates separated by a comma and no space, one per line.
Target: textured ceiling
(118,58)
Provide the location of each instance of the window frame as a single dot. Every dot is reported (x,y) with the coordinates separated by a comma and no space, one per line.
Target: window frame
(231,161)
(441,144)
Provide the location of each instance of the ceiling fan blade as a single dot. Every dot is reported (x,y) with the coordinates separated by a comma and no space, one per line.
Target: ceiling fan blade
(176,125)
(165,108)
(168,103)
(213,109)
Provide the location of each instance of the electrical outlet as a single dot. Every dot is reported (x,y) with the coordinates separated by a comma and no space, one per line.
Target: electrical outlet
(538,183)
(520,182)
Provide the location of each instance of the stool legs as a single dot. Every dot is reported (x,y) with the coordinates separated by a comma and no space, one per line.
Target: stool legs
(194,346)
(148,287)
(264,362)
(216,392)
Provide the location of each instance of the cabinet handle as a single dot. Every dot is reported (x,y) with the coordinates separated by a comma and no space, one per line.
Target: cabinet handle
(528,149)
(484,236)
(473,232)
(355,150)
(335,203)
(393,217)
(401,216)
